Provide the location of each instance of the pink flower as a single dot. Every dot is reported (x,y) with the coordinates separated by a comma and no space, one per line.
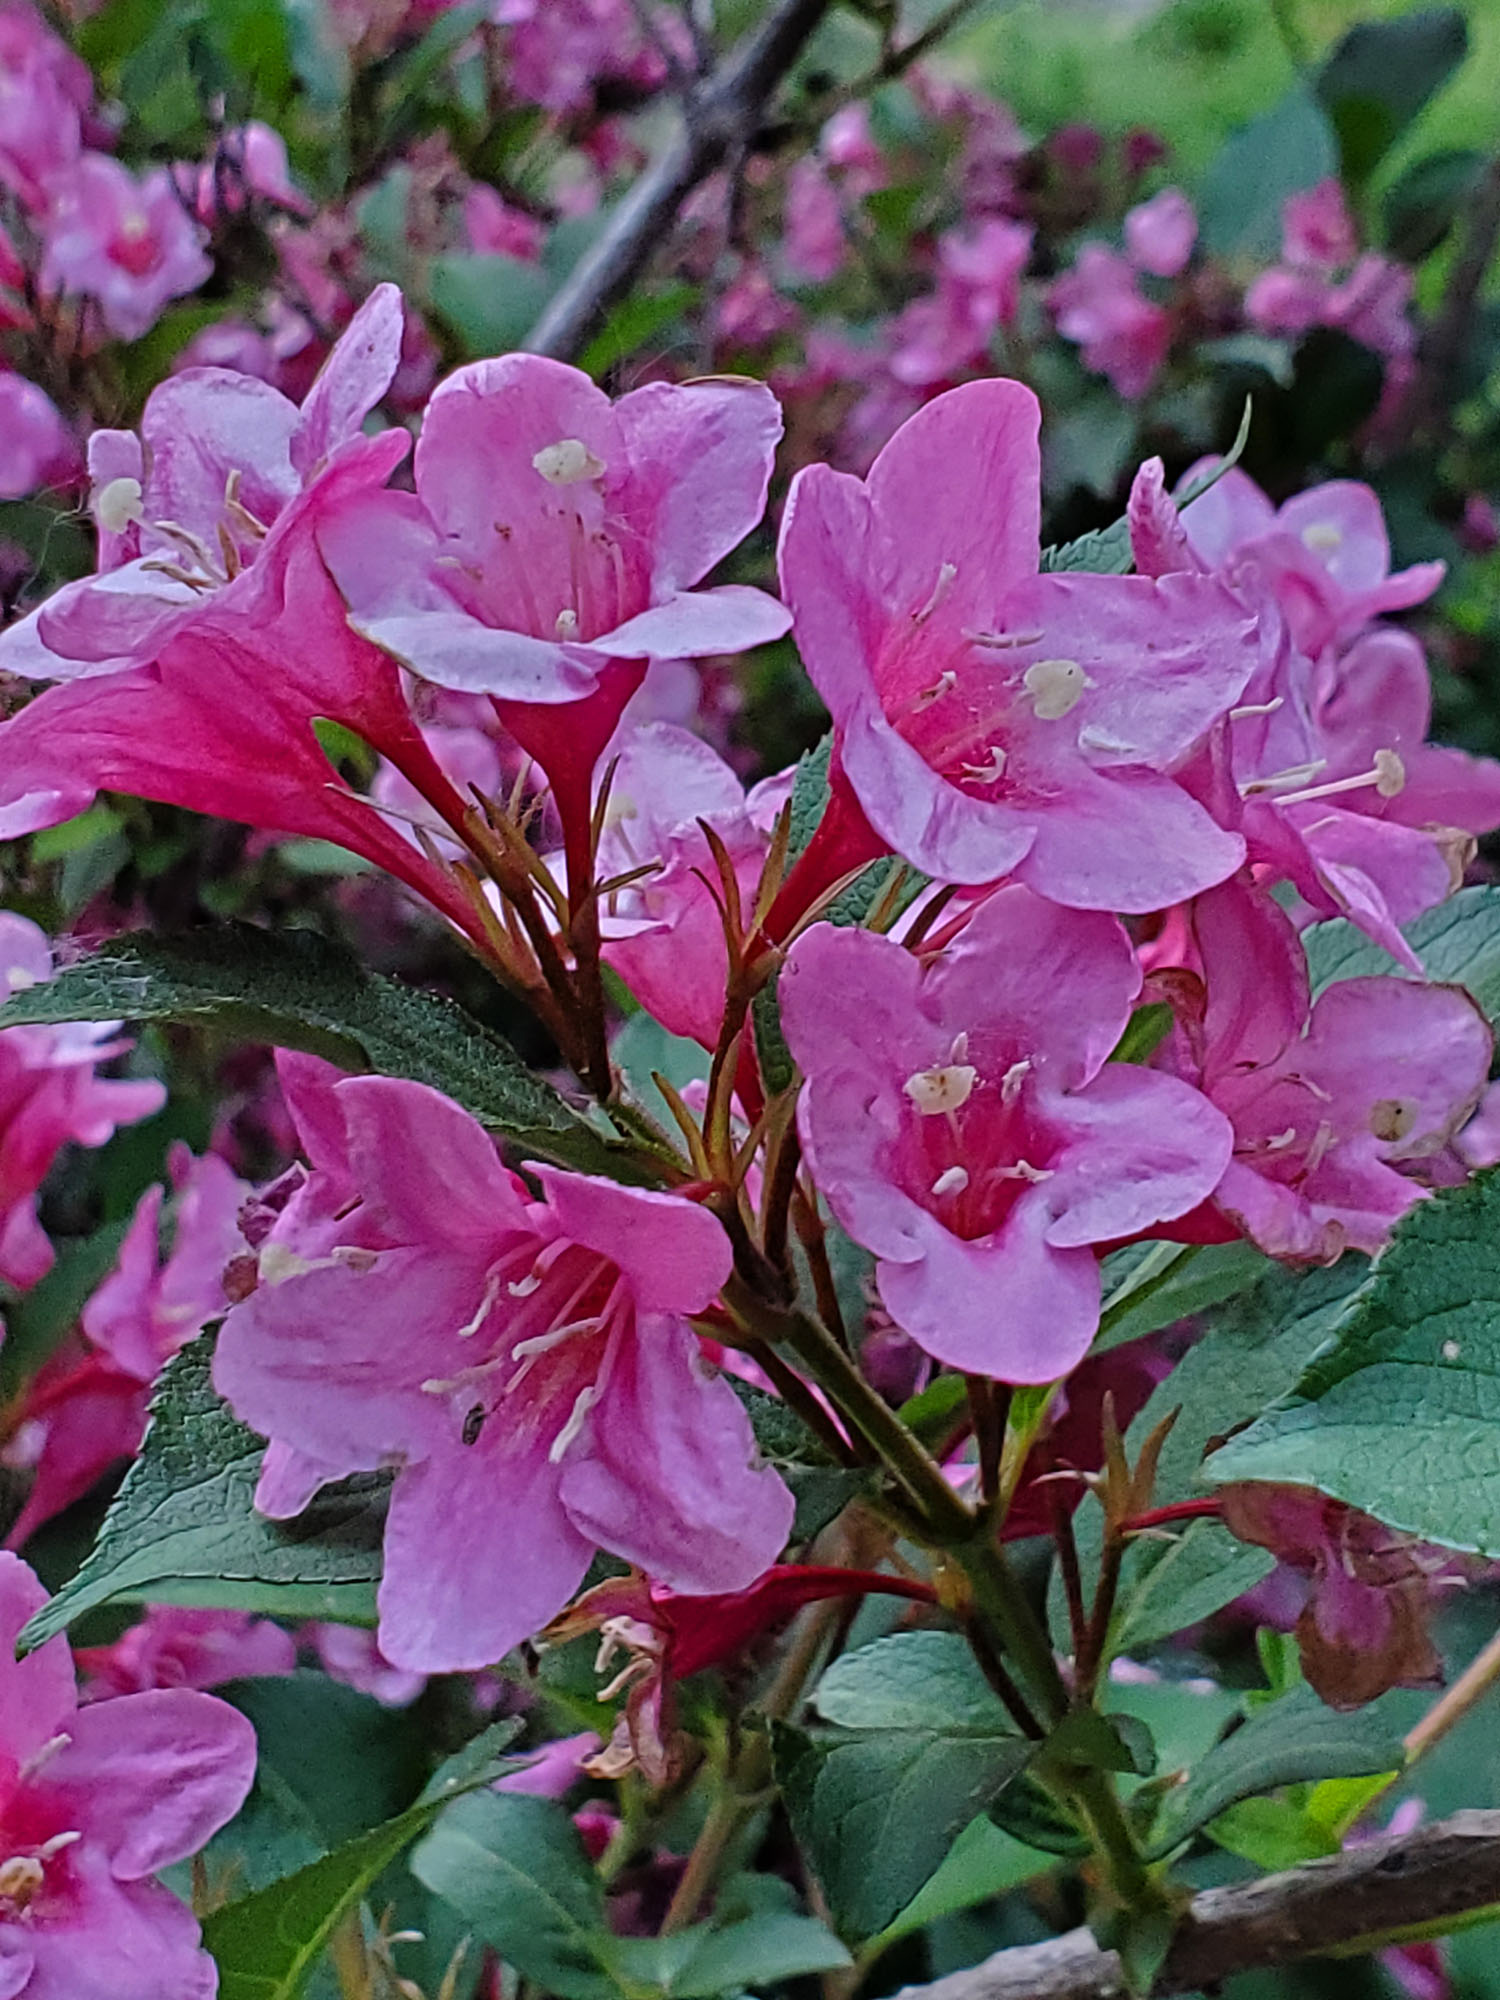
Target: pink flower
(249,161)
(1317,230)
(38,448)
(815,244)
(978,290)
(1160,233)
(560,51)
(965,1124)
(552,546)
(351,1655)
(1336,1104)
(183,510)
(44,92)
(1100,306)
(526,1365)
(496,227)
(663,934)
(85,1415)
(991,721)
(97,1801)
(128,245)
(175,1646)
(1371,303)
(554,1769)
(50,1095)
(848,144)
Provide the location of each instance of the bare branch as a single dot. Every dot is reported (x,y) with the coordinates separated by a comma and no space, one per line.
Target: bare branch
(720,116)
(1352,1902)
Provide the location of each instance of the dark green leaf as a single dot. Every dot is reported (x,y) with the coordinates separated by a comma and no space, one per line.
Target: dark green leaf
(1282,152)
(1286,1742)
(349,1761)
(778,1070)
(1151,1285)
(1423,205)
(821,1489)
(638,318)
(982,1863)
(1102,1742)
(1103,552)
(1399,1414)
(183,1529)
(1033,1817)
(1186,1581)
(809,797)
(294,989)
(877,1811)
(912,1680)
(756,1951)
(488,300)
(1381,75)
(1458,943)
(515,1870)
(480,1761)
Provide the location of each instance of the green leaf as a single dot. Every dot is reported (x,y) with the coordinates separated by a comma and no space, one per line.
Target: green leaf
(756,1951)
(479,1762)
(820,1488)
(1287,1742)
(1458,943)
(266,1944)
(1381,75)
(911,1680)
(1400,1414)
(183,1530)
(1102,552)
(983,1863)
(1145,1031)
(294,989)
(809,797)
(877,1811)
(488,300)
(515,1869)
(1282,152)
(1102,1742)
(638,318)
(1272,1833)
(1152,1285)
(1422,206)
(1193,1576)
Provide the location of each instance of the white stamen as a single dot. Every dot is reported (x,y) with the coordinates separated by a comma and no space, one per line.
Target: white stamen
(1056,687)
(940,589)
(278,1263)
(1322,1140)
(43,1754)
(483,1310)
(953,1180)
(1387,774)
(1012,1081)
(583,1402)
(117,505)
(942,1089)
(990,770)
(1249,708)
(569,462)
(1321,536)
(56,1845)
(1003,642)
(567,623)
(1294,775)
(1093,736)
(1023,1170)
(945,683)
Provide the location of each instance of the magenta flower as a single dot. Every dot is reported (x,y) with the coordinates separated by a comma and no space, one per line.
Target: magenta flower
(1099,305)
(126,245)
(1371,303)
(181,1646)
(497,227)
(96,1801)
(352,1655)
(965,1124)
(183,510)
(38,448)
(816,243)
(45,92)
(936,339)
(552,547)
(1317,230)
(1160,233)
(526,1365)
(1338,1106)
(50,1095)
(992,721)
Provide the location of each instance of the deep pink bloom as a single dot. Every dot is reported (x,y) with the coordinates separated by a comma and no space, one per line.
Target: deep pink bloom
(1371,302)
(554,1769)
(352,1654)
(177,1646)
(848,143)
(526,1365)
(552,545)
(50,1095)
(1317,230)
(978,289)
(44,92)
(37,448)
(815,244)
(497,227)
(183,510)
(1286,301)
(965,1124)
(1099,305)
(1336,1104)
(663,934)
(992,721)
(1160,233)
(84,1415)
(96,1801)
(560,51)
(127,245)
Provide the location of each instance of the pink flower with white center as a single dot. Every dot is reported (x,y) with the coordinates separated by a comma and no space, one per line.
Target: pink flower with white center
(182,1646)
(1339,1104)
(84,1415)
(45,91)
(965,1124)
(185,509)
(94,1802)
(1160,233)
(991,721)
(127,245)
(50,1095)
(1099,305)
(663,934)
(527,1366)
(551,548)
(37,448)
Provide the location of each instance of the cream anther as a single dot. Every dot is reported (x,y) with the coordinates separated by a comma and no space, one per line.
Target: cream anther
(569,462)
(117,504)
(940,589)
(1023,1170)
(987,772)
(1280,781)
(1322,537)
(1056,687)
(945,1088)
(567,623)
(945,683)
(1249,708)
(20,1878)
(1012,1081)
(952,1180)
(1387,774)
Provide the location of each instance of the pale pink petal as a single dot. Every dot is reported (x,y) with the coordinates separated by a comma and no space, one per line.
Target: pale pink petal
(1127,840)
(37,1694)
(674,1252)
(456,651)
(692,623)
(115,1940)
(1138,1149)
(351,381)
